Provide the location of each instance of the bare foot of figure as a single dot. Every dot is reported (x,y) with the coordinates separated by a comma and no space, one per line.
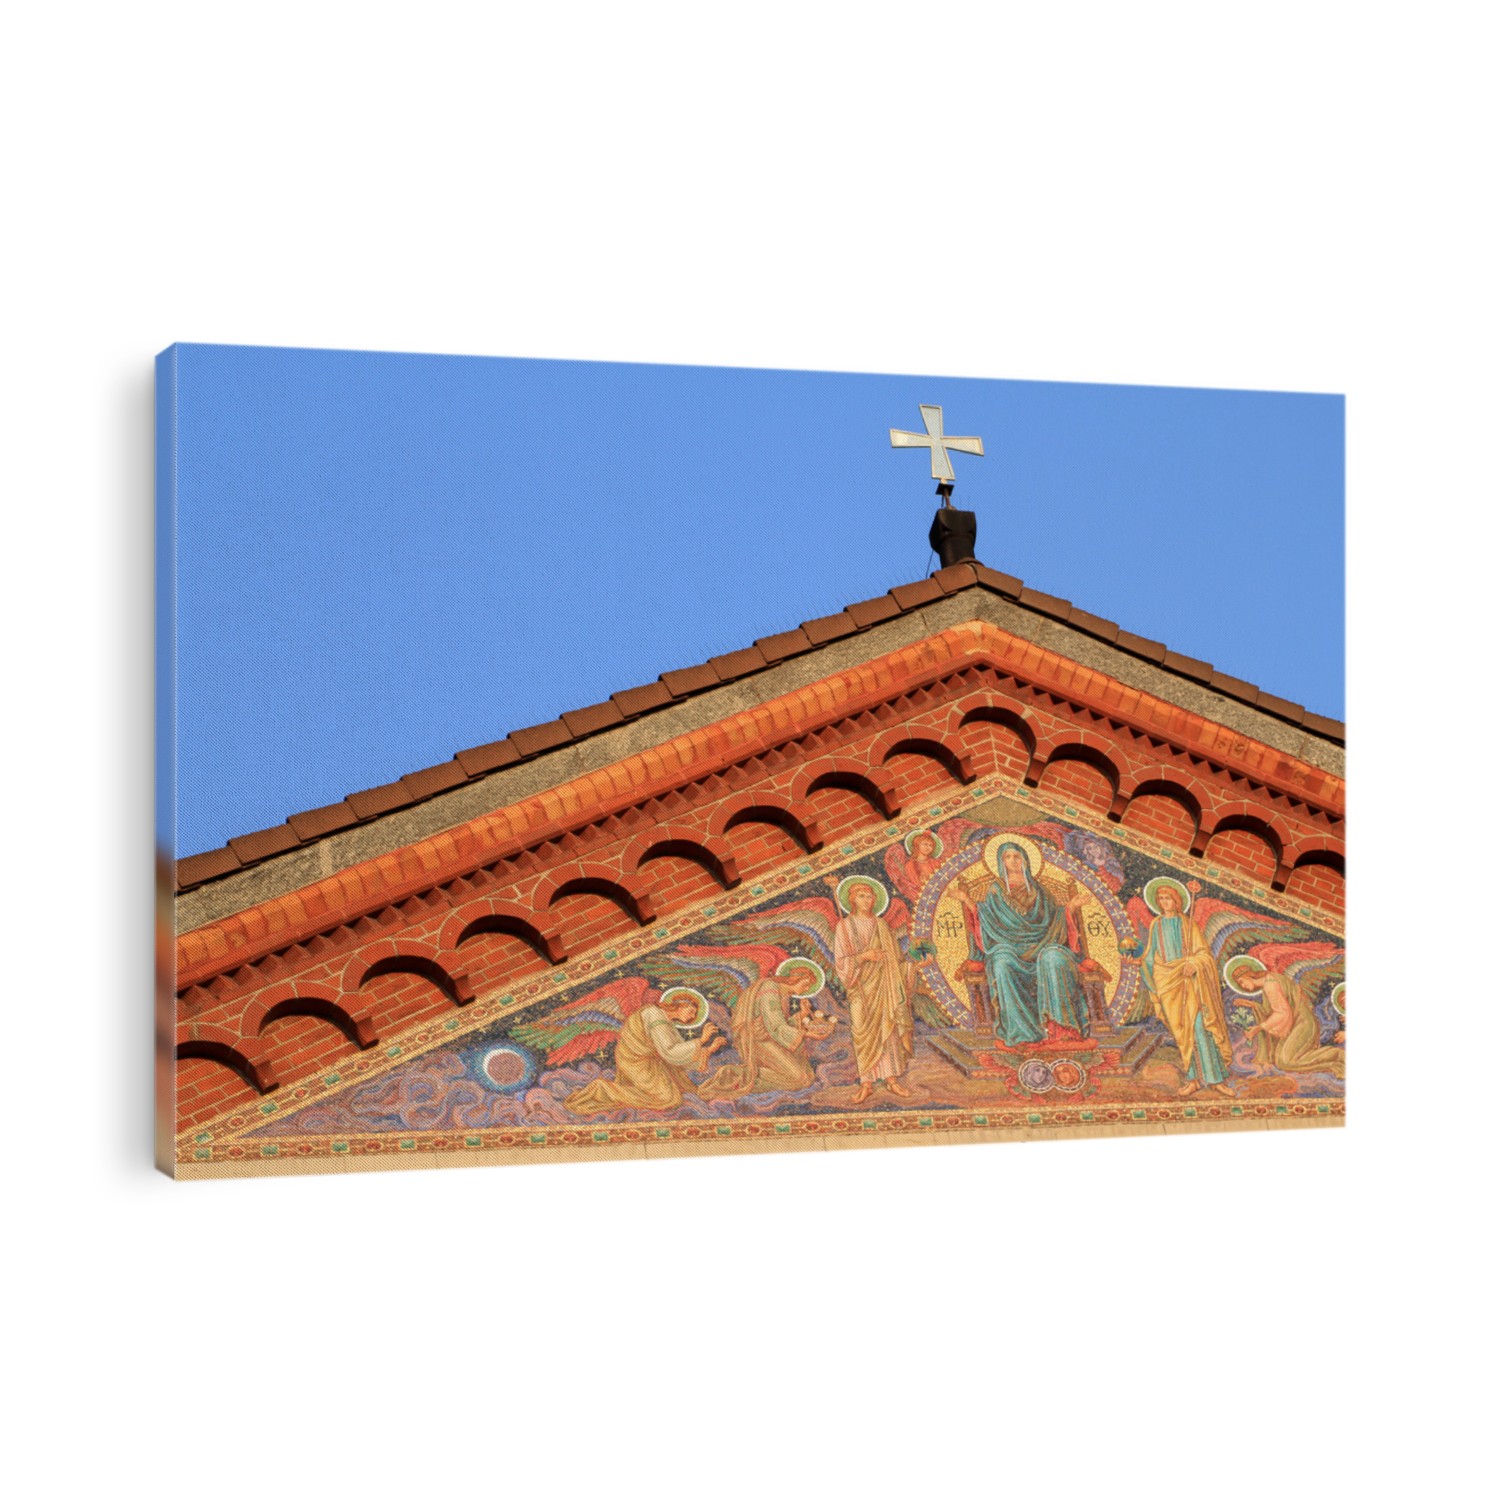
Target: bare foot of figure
(862,1093)
(1188,1088)
(897,1090)
(1223,1088)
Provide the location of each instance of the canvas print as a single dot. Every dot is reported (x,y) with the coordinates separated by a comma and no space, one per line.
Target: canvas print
(958,862)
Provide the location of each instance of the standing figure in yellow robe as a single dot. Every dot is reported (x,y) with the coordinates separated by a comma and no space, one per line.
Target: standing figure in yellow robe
(770,1036)
(653,1060)
(869,965)
(1286,1032)
(1183,981)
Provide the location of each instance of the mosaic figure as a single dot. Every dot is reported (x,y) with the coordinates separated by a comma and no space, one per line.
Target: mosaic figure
(773,1022)
(1285,1030)
(1182,980)
(1035,987)
(871,969)
(914,862)
(654,1061)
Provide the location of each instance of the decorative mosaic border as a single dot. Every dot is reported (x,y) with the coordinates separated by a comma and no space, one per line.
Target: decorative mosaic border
(221,1144)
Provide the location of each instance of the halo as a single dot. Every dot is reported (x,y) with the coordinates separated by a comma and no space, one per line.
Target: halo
(937,851)
(882,896)
(805,963)
(1034,857)
(1035,1075)
(1336,997)
(682,992)
(1062,1069)
(1235,965)
(1153,886)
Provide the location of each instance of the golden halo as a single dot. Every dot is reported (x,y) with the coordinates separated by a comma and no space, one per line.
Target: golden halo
(790,964)
(916,833)
(882,896)
(1035,859)
(1337,997)
(1233,967)
(1153,886)
(682,992)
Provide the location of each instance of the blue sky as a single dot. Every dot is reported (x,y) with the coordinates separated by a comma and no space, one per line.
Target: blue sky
(385,558)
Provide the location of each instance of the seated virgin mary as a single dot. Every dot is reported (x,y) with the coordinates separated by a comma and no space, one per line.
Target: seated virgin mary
(1033,975)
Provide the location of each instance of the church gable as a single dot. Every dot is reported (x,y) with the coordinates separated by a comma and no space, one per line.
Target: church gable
(449,992)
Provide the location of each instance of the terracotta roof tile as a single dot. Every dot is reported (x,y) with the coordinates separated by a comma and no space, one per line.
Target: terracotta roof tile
(322,821)
(737,663)
(1188,666)
(1081,619)
(957,576)
(591,720)
(641,700)
(779,647)
(197,868)
(914,595)
(1138,645)
(379,799)
(689,680)
(1046,604)
(1283,708)
(489,757)
(1002,583)
(434,779)
(829,628)
(1234,687)
(249,847)
(1333,728)
(872,611)
(538,737)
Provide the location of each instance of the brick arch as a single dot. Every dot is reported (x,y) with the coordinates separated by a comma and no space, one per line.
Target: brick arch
(1079,746)
(291,998)
(1146,784)
(1318,850)
(396,957)
(1247,817)
(873,783)
(596,880)
(706,850)
(795,818)
(245,1056)
(489,914)
(930,743)
(995,710)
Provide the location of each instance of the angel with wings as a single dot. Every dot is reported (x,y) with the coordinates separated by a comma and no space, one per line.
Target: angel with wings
(1273,981)
(654,1060)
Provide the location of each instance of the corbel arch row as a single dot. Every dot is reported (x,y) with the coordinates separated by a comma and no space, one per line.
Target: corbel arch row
(244,1056)
(595,880)
(791,816)
(707,850)
(931,743)
(874,783)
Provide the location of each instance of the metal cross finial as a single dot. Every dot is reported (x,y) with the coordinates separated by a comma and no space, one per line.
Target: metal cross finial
(942,465)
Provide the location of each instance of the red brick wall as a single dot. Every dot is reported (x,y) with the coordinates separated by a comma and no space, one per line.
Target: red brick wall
(1314,885)
(872,757)
(1162,819)
(1081,784)
(1244,852)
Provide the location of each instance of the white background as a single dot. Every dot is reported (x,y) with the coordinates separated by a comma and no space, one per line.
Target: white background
(1277,196)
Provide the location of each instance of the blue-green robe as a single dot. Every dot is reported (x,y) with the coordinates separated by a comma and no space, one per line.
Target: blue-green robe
(1032,973)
